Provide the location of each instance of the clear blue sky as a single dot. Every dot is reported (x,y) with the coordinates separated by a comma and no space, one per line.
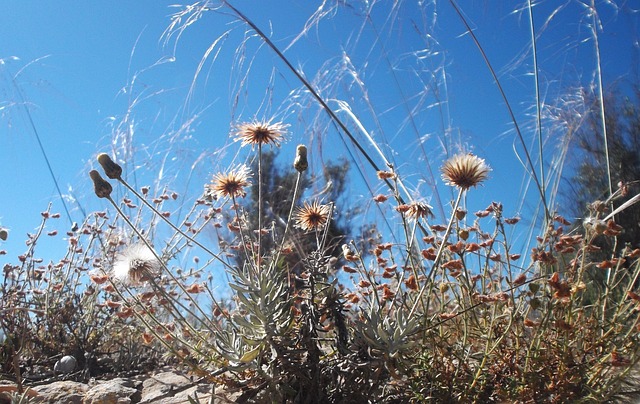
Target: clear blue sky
(72,65)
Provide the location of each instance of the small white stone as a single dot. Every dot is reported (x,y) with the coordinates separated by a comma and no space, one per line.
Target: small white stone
(66,364)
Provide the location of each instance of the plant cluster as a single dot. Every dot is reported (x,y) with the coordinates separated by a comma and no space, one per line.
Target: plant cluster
(441,309)
(449,314)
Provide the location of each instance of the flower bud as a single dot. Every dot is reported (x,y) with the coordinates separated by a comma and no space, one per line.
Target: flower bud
(3,234)
(101,186)
(111,168)
(301,163)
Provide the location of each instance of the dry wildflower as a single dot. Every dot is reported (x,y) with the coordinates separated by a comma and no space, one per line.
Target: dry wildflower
(386,175)
(112,304)
(482,213)
(387,293)
(520,279)
(429,254)
(619,360)
(147,338)
(136,264)
(465,171)
(411,283)
(349,255)
(125,312)
(300,163)
(260,133)
(380,198)
(453,265)
(231,183)
(447,316)
(388,275)
(98,279)
(418,210)
(456,248)
(463,234)
(633,295)
(312,216)
(612,263)
(403,208)
(195,288)
(168,337)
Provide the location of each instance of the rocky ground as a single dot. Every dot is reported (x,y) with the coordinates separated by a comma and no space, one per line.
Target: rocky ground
(163,387)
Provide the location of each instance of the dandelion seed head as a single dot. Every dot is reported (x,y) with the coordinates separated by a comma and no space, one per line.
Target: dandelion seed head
(465,171)
(135,265)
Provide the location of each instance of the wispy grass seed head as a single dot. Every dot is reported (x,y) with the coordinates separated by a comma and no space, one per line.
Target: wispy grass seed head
(465,171)
(135,265)
(230,184)
(312,216)
(260,133)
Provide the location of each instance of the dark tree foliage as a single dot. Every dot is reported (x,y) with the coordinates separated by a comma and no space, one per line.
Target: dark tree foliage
(278,184)
(589,182)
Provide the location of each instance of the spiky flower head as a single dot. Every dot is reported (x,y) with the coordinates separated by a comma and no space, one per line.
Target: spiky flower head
(136,264)
(464,171)
(230,184)
(312,216)
(260,133)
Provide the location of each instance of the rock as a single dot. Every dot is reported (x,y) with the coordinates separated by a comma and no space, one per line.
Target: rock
(170,387)
(66,364)
(161,384)
(63,392)
(166,387)
(115,391)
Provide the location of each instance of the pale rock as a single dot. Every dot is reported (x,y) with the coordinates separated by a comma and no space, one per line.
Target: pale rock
(66,364)
(62,392)
(115,391)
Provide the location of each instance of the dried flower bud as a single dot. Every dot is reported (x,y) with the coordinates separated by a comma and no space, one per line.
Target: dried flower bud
(101,186)
(444,287)
(301,163)
(4,234)
(111,168)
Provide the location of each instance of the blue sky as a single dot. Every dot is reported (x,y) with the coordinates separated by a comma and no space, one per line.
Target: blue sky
(78,67)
